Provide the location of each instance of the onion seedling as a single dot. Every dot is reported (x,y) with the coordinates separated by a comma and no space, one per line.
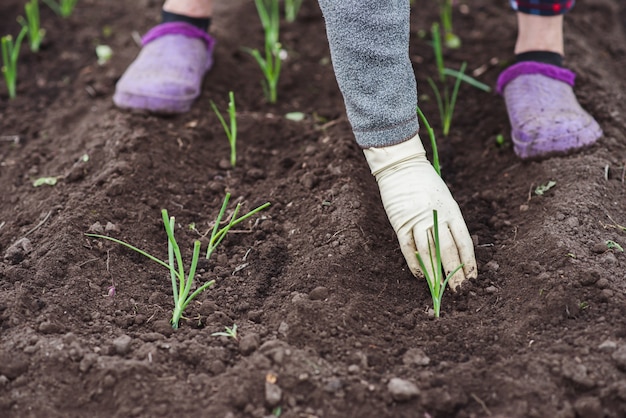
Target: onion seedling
(446,100)
(63,8)
(435,278)
(270,64)
(231,131)
(433,141)
(35,32)
(217,234)
(182,283)
(292,7)
(445,13)
(10,53)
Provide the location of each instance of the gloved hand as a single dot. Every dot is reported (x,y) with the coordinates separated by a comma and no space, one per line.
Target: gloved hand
(410,189)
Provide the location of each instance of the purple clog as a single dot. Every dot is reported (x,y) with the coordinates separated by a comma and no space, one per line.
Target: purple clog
(545,115)
(166,77)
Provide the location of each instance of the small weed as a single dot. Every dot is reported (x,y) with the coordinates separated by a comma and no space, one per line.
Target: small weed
(583,305)
(612,245)
(230,333)
(542,188)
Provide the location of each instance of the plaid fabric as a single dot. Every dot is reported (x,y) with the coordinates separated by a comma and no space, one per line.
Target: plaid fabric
(542,7)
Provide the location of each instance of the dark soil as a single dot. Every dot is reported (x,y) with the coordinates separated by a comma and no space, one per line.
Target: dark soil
(327,312)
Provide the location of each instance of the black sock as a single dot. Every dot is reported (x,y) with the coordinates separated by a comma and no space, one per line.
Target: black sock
(546,57)
(199,22)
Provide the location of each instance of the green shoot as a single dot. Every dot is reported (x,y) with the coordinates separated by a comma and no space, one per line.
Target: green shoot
(445,13)
(446,99)
(231,131)
(433,141)
(217,234)
(542,188)
(45,181)
(270,63)
(182,283)
(10,54)
(35,32)
(292,7)
(436,282)
(612,245)
(104,54)
(230,333)
(63,8)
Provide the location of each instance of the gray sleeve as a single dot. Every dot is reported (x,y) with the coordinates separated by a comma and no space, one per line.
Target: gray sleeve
(369,45)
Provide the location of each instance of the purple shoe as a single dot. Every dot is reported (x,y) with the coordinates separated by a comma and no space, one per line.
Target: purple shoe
(166,77)
(545,116)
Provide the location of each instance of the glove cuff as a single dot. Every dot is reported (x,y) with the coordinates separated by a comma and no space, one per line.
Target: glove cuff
(380,159)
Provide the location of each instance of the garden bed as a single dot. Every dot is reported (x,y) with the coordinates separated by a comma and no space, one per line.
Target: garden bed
(326,310)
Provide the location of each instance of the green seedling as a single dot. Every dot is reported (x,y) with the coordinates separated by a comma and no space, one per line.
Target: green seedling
(270,63)
(230,333)
(10,54)
(542,188)
(45,181)
(292,7)
(500,140)
(35,32)
(612,245)
(446,98)
(183,283)
(451,40)
(63,8)
(433,141)
(231,131)
(217,234)
(435,278)
(104,54)
(583,305)
(295,116)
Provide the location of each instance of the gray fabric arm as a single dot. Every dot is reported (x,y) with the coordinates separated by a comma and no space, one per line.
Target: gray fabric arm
(369,45)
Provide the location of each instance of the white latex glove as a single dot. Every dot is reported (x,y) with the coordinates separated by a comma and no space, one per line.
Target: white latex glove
(410,189)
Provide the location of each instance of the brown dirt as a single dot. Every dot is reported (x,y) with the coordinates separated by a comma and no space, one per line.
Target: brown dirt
(317,286)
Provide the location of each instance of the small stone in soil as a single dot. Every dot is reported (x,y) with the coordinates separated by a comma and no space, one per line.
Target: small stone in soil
(402,390)
(273,394)
(319,293)
(122,344)
(249,343)
(415,356)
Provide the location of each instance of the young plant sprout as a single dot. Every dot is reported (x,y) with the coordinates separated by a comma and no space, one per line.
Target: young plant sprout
(230,333)
(542,188)
(271,63)
(231,131)
(183,283)
(612,245)
(10,53)
(433,141)
(292,7)
(63,8)
(445,12)
(217,234)
(435,279)
(35,32)
(446,100)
